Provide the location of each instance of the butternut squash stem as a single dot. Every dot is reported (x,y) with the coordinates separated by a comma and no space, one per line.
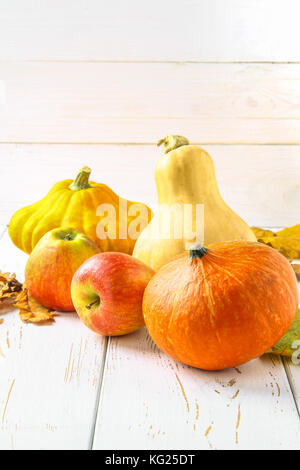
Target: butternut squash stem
(172,142)
(82,180)
(198,252)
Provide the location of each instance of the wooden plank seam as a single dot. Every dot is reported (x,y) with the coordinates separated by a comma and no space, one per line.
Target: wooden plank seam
(99,391)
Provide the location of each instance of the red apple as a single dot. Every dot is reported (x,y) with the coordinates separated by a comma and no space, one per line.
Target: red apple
(52,264)
(107,292)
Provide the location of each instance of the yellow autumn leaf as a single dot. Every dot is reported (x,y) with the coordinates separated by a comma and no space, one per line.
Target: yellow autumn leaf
(260,232)
(289,247)
(291,232)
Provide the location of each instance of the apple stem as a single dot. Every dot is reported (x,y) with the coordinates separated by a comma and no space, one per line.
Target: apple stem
(89,306)
(68,237)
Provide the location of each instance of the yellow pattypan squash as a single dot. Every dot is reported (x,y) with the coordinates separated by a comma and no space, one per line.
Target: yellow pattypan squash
(84,206)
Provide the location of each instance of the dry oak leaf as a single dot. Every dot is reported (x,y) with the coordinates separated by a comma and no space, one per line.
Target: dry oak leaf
(289,247)
(32,311)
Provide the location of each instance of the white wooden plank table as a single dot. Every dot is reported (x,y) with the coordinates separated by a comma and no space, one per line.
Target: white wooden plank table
(58,381)
(49,376)
(166,405)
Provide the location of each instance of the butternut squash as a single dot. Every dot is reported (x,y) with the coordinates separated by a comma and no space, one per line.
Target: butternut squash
(185,175)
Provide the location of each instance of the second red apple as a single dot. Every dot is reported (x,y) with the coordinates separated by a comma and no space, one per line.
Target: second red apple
(107,292)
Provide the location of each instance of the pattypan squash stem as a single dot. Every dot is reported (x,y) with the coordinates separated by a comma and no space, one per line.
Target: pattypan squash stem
(172,142)
(82,180)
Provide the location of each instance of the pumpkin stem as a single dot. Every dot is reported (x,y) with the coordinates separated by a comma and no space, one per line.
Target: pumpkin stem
(82,179)
(172,142)
(198,252)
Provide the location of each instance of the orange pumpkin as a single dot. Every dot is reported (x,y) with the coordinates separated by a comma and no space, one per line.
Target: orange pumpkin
(221,306)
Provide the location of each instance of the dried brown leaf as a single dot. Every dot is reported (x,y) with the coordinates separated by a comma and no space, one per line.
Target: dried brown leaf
(1,320)
(9,286)
(32,311)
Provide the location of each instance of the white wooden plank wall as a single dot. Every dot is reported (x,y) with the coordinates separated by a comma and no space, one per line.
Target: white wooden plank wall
(169,30)
(98,83)
(137,103)
(261,182)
